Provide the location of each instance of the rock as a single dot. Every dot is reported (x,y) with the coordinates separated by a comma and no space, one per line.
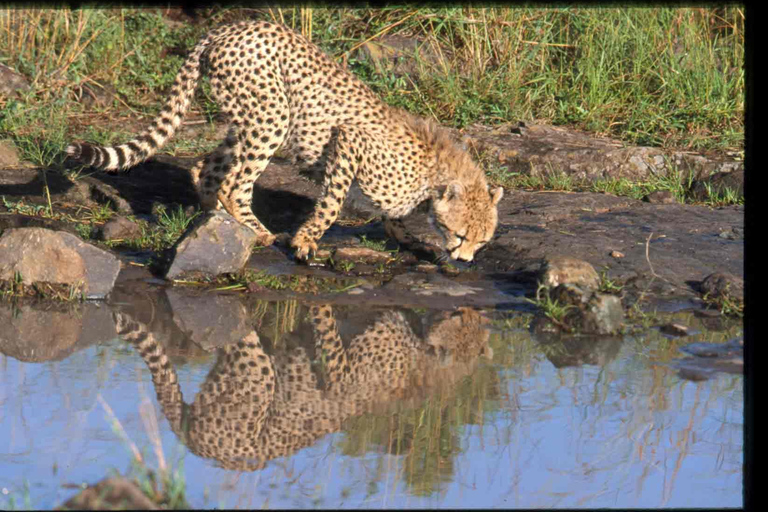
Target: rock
(42,255)
(120,228)
(660,197)
(733,233)
(214,245)
(717,183)
(588,312)
(558,270)
(720,284)
(617,254)
(426,268)
(9,157)
(674,329)
(361,255)
(210,320)
(97,95)
(113,493)
(11,82)
(544,150)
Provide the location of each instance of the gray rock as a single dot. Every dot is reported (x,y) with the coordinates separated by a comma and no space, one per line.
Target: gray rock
(120,228)
(719,284)
(9,157)
(11,82)
(43,255)
(589,312)
(674,329)
(217,244)
(558,270)
(660,197)
(362,255)
(717,183)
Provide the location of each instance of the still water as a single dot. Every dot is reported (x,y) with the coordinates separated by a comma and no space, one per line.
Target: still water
(287,405)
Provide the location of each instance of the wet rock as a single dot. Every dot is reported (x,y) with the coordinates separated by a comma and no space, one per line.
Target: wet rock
(732,233)
(361,255)
(558,270)
(9,157)
(113,493)
(617,254)
(717,184)
(720,284)
(214,245)
(209,320)
(709,358)
(674,329)
(660,197)
(426,268)
(120,228)
(42,255)
(588,312)
(11,82)
(51,331)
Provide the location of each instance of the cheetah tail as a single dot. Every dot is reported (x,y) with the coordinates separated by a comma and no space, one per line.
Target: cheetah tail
(153,138)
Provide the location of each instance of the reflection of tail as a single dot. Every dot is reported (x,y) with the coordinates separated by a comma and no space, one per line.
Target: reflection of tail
(163,127)
(163,375)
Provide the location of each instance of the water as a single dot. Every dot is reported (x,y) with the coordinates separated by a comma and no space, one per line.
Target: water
(480,414)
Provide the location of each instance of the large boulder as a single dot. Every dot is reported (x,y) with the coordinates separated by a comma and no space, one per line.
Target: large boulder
(40,255)
(217,244)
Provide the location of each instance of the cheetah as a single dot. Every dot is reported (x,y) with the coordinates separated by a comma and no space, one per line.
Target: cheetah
(281,92)
(256,404)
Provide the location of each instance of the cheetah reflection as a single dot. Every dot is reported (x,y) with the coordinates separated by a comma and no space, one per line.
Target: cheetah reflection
(255,406)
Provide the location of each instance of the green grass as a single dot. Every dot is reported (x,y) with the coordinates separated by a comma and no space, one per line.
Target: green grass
(659,76)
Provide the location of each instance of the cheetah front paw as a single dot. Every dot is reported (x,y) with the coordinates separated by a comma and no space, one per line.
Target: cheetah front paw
(304,246)
(264,239)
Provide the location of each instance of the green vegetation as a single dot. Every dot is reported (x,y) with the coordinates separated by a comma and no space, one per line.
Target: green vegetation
(551,308)
(659,76)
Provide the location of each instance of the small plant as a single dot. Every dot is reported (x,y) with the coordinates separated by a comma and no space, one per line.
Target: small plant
(607,285)
(726,303)
(345,266)
(376,245)
(551,308)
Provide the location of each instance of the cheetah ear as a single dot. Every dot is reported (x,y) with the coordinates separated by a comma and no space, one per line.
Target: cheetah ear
(454,190)
(496,195)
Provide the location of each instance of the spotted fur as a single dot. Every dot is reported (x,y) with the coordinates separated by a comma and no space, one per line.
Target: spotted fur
(255,405)
(281,92)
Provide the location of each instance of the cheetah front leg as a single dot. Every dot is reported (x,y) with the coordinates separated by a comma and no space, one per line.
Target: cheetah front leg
(328,345)
(343,165)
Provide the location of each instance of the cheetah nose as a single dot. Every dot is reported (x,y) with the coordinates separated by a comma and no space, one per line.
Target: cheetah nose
(460,255)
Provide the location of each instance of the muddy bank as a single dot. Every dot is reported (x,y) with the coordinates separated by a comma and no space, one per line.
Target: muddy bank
(660,252)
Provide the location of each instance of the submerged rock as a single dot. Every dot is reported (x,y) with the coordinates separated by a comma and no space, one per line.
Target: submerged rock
(215,245)
(40,255)
(112,493)
(587,312)
(709,358)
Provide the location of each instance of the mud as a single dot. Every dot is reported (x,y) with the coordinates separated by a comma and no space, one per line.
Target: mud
(658,252)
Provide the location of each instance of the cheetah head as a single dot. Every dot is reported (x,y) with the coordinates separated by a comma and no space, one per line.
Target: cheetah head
(466,216)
